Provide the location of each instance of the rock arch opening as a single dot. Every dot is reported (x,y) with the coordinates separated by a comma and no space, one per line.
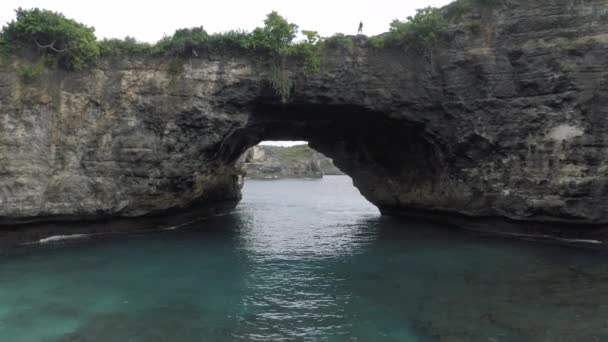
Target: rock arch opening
(388,159)
(287,159)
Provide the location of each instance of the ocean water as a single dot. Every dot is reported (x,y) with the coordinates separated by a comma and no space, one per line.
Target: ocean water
(303,260)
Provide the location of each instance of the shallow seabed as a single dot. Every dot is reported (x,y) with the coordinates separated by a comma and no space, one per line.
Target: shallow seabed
(303,261)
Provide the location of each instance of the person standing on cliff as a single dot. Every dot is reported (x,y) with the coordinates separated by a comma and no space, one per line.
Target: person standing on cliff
(360,31)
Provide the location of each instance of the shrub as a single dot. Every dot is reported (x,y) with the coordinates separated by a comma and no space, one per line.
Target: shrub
(458,8)
(184,42)
(126,46)
(71,43)
(281,82)
(230,40)
(308,50)
(29,73)
(5,47)
(377,42)
(312,37)
(276,35)
(423,31)
(276,38)
(339,40)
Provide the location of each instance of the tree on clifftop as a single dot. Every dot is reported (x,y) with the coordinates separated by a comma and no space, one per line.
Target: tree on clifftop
(71,44)
(423,31)
(276,34)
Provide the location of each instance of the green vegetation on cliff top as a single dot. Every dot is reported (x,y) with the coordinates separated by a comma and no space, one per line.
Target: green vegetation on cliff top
(73,46)
(295,153)
(63,41)
(70,45)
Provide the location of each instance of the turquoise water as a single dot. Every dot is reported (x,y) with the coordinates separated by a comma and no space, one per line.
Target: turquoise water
(303,260)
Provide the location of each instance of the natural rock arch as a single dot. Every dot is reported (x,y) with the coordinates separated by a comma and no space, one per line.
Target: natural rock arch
(501,124)
(375,150)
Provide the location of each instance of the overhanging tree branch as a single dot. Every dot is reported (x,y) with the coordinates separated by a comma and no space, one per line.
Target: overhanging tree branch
(50,46)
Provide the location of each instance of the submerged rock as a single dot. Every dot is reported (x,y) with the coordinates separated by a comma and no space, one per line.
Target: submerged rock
(505,124)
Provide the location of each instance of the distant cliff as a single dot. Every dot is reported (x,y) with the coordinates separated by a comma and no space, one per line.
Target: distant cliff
(300,161)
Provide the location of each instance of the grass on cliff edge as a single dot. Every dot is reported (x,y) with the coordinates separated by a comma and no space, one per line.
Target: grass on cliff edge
(73,46)
(295,153)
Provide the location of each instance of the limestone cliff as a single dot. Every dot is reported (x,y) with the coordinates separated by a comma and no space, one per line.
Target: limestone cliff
(506,121)
(299,161)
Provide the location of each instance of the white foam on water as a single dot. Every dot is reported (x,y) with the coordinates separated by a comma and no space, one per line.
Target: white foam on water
(588,241)
(56,238)
(595,242)
(200,219)
(180,225)
(59,238)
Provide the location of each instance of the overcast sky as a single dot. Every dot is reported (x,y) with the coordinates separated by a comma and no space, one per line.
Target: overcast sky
(151,20)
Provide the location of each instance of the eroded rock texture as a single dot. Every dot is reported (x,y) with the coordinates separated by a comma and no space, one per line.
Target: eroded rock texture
(507,121)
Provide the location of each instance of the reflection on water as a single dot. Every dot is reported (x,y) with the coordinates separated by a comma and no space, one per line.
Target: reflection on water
(300,227)
(291,253)
(304,261)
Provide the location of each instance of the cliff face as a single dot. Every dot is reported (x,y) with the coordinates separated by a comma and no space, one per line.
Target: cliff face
(508,121)
(124,140)
(300,161)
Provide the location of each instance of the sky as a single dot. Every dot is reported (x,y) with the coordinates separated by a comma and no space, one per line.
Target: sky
(150,20)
